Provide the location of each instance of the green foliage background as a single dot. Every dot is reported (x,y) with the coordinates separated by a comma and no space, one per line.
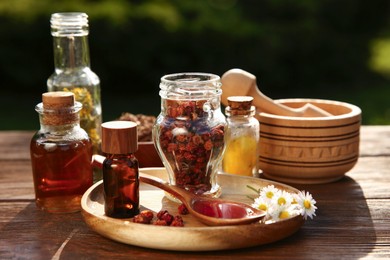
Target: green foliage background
(333,49)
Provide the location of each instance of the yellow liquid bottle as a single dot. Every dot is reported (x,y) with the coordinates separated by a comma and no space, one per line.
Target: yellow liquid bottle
(242,138)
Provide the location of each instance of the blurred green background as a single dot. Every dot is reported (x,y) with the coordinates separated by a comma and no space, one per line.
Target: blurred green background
(331,49)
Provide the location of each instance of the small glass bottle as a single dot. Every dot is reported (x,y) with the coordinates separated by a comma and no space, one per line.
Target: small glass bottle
(61,154)
(120,169)
(189,132)
(242,137)
(72,70)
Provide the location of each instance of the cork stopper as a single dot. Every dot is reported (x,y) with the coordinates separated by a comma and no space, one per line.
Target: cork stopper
(58,99)
(240,105)
(58,108)
(119,137)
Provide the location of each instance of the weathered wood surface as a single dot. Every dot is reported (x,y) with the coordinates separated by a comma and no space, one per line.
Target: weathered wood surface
(352,222)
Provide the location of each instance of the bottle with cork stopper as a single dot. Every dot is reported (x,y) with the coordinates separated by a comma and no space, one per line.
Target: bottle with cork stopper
(61,154)
(120,169)
(241,137)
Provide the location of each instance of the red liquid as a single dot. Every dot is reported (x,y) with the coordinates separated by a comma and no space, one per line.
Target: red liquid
(121,186)
(220,210)
(62,173)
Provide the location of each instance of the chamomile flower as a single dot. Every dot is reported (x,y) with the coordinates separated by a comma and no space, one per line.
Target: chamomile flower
(307,204)
(262,204)
(280,212)
(282,198)
(280,204)
(268,192)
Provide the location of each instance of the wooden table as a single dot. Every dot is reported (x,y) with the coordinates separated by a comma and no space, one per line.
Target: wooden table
(353,216)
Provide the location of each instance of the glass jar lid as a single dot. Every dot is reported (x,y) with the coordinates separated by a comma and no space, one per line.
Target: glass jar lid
(191,85)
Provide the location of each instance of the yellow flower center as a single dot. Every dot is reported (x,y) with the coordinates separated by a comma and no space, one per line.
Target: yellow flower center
(270,194)
(307,204)
(263,207)
(281,201)
(284,214)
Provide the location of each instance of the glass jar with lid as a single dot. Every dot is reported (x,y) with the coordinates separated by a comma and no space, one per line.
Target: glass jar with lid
(189,132)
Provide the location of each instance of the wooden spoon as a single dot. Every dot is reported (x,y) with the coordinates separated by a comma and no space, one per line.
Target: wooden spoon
(208,210)
(237,82)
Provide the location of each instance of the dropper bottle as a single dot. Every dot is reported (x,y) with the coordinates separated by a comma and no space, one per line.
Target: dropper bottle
(120,169)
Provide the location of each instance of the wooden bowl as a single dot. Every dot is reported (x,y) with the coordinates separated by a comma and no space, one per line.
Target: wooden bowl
(309,150)
(147,155)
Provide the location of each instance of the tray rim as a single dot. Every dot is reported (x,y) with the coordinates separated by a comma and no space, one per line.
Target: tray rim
(94,221)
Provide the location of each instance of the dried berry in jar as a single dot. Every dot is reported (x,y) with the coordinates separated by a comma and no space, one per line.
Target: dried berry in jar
(189,131)
(190,143)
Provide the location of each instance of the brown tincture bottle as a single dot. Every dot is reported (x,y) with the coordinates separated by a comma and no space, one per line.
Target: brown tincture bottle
(61,154)
(120,169)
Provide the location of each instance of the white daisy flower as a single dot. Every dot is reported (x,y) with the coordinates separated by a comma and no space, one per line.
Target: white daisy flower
(268,192)
(281,212)
(283,198)
(307,204)
(262,204)
(280,204)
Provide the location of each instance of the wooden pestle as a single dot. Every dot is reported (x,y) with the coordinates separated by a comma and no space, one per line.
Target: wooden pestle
(237,82)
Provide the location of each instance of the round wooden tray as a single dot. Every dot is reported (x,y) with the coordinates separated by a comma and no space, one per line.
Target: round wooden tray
(194,236)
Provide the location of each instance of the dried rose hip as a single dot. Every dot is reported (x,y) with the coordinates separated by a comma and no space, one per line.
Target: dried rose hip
(164,215)
(182,209)
(177,222)
(141,219)
(148,214)
(161,212)
(164,218)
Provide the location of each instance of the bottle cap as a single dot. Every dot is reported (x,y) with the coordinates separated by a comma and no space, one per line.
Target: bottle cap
(240,105)
(119,137)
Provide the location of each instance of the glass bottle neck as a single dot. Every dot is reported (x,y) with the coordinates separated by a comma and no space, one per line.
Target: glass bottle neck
(70,40)
(59,129)
(71,52)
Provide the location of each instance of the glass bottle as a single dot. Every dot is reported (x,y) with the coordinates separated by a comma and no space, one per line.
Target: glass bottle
(189,131)
(120,169)
(72,70)
(241,137)
(61,154)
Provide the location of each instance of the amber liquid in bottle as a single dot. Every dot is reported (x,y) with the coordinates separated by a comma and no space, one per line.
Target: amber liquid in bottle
(62,173)
(121,186)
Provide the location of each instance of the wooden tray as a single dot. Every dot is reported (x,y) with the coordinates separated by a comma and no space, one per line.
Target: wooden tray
(194,236)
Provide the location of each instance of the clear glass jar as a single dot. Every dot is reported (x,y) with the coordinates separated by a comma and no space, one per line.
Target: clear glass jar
(242,137)
(189,132)
(72,70)
(61,154)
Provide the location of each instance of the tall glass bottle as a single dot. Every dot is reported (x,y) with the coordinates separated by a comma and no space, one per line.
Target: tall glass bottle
(72,70)
(61,154)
